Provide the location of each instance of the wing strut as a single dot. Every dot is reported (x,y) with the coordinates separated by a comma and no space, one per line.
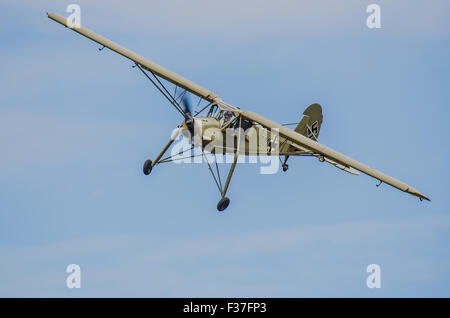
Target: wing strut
(216,180)
(171,99)
(146,64)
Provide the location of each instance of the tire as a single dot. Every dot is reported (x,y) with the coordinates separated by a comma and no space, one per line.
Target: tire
(223,204)
(147,168)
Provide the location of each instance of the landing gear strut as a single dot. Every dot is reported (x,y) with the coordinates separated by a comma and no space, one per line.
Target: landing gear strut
(148,164)
(285,165)
(224,201)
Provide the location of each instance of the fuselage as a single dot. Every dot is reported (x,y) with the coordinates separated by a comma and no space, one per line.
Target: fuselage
(219,136)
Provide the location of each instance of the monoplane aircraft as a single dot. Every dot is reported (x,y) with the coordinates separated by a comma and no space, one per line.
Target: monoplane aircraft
(217,122)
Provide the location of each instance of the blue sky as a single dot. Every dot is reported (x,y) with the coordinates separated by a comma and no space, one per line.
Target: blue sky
(77,124)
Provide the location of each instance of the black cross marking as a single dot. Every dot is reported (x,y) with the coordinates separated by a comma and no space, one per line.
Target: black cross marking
(313,131)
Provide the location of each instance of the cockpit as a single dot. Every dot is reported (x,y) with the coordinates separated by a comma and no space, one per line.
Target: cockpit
(224,117)
(223,114)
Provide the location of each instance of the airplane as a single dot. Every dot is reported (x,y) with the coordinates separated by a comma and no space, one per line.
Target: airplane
(223,121)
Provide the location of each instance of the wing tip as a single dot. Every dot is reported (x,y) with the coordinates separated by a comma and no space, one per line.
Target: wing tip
(417,194)
(423,197)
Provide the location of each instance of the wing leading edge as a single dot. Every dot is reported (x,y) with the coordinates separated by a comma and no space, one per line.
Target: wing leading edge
(331,154)
(146,64)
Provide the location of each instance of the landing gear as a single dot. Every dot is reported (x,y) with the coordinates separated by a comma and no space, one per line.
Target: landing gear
(285,165)
(223,204)
(224,201)
(147,168)
(148,165)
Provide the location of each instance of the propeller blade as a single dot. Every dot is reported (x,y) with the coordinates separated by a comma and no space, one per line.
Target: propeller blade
(189,120)
(187,104)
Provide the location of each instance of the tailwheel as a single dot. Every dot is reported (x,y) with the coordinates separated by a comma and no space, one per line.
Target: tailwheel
(285,167)
(223,204)
(147,167)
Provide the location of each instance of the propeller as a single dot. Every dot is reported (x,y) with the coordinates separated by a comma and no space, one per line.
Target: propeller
(188,119)
(187,104)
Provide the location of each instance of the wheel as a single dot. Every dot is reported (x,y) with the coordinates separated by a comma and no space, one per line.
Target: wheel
(285,167)
(147,167)
(223,204)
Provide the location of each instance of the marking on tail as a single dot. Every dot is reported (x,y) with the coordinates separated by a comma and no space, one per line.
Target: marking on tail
(313,131)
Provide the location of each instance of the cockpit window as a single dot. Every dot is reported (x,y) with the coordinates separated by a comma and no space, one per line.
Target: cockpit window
(212,111)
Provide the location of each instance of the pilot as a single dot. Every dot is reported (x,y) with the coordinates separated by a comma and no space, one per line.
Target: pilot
(226,118)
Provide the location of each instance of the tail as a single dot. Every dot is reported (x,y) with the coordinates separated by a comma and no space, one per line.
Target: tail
(310,124)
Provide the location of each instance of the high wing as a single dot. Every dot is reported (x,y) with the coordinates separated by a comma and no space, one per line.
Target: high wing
(146,64)
(299,141)
(327,154)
